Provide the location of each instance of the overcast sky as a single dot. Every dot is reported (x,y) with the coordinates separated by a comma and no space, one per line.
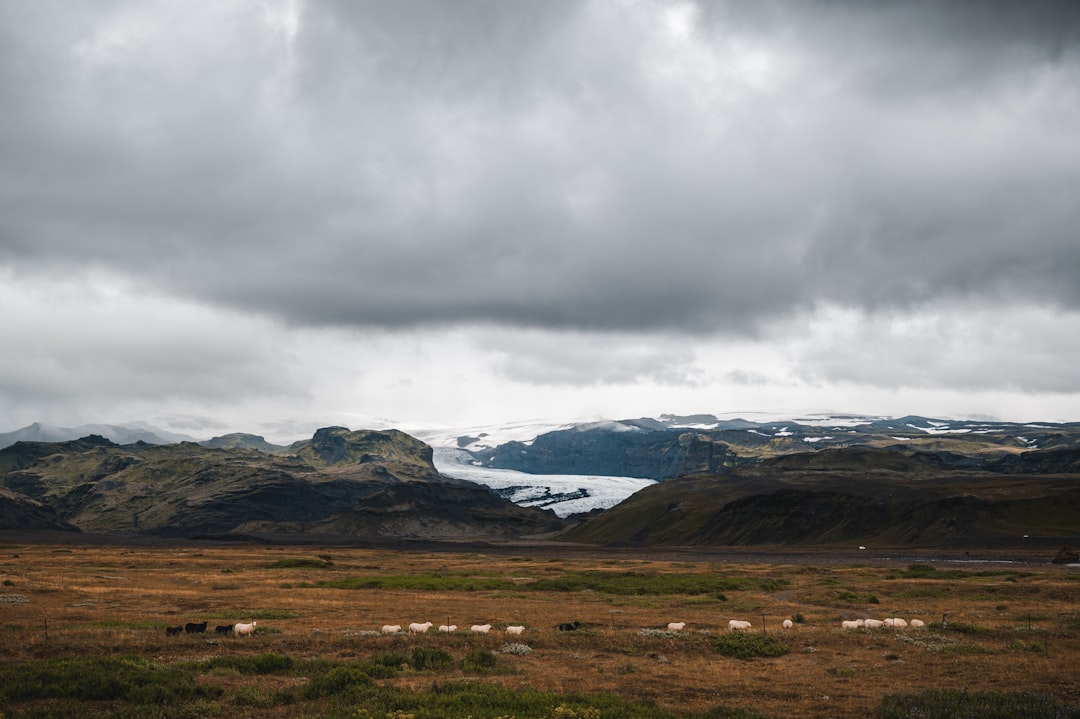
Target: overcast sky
(274,215)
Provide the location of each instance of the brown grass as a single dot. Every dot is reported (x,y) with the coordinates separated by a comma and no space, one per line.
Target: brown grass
(1011,632)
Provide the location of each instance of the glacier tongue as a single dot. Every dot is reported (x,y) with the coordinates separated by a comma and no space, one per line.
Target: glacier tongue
(564,494)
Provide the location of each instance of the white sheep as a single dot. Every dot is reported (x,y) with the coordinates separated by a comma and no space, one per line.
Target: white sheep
(873,623)
(416,628)
(916,623)
(676,626)
(242,630)
(788,624)
(447,628)
(895,622)
(480,628)
(851,624)
(738,625)
(516,631)
(391,628)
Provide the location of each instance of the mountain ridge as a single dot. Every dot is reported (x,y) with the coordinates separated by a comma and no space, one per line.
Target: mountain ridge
(341,481)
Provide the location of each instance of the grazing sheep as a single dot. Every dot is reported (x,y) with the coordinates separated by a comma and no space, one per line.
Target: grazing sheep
(447,628)
(916,623)
(172,631)
(242,630)
(223,629)
(873,623)
(788,624)
(676,626)
(851,624)
(569,626)
(193,628)
(418,628)
(480,628)
(738,625)
(516,631)
(895,622)
(391,628)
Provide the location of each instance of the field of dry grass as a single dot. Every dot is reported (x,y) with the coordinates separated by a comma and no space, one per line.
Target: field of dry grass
(1011,627)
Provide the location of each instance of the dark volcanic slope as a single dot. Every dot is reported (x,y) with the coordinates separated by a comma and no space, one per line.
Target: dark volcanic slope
(339,482)
(22,513)
(855,496)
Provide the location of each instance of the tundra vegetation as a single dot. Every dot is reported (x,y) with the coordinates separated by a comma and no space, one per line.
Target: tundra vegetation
(87,637)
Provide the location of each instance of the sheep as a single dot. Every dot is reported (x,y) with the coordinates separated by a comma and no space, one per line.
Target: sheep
(788,624)
(895,622)
(480,628)
(242,630)
(223,629)
(193,628)
(873,623)
(418,628)
(447,628)
(851,624)
(676,626)
(173,631)
(737,625)
(916,623)
(569,626)
(515,631)
(391,628)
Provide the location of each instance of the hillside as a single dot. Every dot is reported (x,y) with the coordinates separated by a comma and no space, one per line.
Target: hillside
(341,482)
(854,496)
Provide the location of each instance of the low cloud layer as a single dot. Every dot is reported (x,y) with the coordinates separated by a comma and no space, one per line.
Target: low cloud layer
(589,179)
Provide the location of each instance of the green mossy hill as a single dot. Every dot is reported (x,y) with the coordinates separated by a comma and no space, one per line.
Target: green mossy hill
(332,446)
(241,440)
(341,482)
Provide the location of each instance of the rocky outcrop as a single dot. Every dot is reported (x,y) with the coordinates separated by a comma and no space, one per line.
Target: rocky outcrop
(655,454)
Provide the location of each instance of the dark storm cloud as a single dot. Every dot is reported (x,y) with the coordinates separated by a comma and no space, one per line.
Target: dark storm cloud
(558,165)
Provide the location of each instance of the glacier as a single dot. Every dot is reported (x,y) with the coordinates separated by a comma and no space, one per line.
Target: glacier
(564,494)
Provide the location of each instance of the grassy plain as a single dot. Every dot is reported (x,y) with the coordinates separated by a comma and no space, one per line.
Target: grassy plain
(1011,628)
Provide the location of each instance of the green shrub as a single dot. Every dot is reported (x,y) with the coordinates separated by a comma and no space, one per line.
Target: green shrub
(336,681)
(745,645)
(96,679)
(479,660)
(955,704)
(393,660)
(424,659)
(260,664)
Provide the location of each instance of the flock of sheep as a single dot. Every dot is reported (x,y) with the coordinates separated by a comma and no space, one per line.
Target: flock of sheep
(895,622)
(241,629)
(422,627)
